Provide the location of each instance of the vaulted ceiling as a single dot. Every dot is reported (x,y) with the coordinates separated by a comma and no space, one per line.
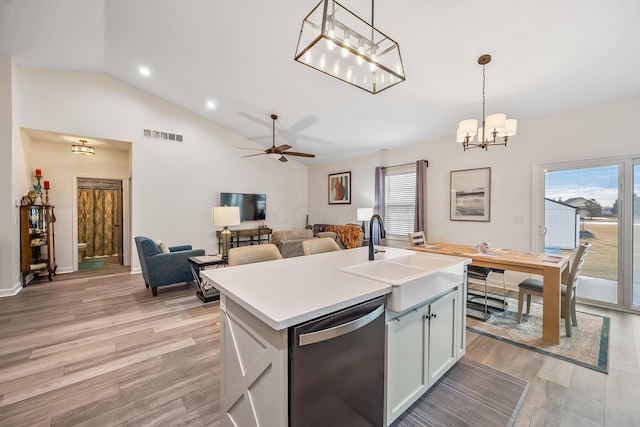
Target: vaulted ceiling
(548,56)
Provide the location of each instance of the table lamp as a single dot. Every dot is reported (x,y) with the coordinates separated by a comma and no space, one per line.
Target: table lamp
(364,214)
(225,216)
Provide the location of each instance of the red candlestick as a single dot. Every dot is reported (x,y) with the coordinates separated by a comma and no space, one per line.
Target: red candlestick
(38,172)
(46,185)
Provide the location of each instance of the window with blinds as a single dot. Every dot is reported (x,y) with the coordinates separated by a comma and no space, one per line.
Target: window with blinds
(400,201)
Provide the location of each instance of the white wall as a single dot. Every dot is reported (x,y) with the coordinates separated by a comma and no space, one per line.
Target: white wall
(61,168)
(174,185)
(8,264)
(598,131)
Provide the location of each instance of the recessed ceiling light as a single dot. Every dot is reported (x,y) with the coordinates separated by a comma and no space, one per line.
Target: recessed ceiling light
(211,105)
(145,71)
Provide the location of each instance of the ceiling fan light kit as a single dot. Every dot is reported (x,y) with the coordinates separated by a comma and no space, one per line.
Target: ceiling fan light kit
(278,153)
(337,42)
(493,126)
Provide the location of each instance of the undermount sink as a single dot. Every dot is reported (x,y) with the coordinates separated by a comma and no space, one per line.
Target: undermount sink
(414,278)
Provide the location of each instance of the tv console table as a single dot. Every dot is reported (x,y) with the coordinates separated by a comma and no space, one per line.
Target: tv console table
(247,236)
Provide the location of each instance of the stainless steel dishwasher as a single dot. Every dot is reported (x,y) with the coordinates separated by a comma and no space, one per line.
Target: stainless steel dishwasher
(336,368)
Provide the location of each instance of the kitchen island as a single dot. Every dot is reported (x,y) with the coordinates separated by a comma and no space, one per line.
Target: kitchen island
(261,303)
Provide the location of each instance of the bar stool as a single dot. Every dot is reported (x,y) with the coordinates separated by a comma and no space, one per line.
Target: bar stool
(503,301)
(476,309)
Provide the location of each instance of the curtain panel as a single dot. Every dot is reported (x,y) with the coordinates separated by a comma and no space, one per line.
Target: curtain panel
(379,202)
(97,216)
(420,223)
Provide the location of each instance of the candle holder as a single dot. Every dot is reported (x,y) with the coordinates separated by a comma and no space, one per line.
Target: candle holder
(46,196)
(37,187)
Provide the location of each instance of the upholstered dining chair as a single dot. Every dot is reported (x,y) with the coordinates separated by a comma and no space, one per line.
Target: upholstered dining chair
(319,245)
(417,238)
(568,291)
(254,253)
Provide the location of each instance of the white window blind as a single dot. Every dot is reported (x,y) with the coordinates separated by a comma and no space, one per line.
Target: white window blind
(400,200)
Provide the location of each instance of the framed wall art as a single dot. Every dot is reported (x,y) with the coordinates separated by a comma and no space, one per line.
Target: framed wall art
(471,195)
(340,188)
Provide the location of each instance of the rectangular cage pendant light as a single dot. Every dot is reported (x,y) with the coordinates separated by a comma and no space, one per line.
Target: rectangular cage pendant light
(337,42)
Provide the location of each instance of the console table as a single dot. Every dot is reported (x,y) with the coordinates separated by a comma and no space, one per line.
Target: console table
(247,236)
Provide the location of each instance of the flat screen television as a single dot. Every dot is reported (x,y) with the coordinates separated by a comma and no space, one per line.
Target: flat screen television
(253,207)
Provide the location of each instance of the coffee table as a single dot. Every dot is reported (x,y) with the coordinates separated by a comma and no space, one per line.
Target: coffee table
(205,292)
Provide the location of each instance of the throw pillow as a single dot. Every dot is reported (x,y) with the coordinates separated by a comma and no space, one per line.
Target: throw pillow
(162,246)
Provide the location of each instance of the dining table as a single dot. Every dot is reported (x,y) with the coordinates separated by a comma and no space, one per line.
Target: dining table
(554,268)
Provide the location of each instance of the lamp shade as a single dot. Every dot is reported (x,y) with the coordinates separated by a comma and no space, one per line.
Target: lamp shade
(364,214)
(225,215)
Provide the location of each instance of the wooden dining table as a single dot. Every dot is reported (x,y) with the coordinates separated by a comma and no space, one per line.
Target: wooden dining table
(553,269)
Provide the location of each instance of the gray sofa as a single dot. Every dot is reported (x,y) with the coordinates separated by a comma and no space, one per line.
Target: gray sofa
(289,242)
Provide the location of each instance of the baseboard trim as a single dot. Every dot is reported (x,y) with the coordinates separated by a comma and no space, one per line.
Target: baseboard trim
(136,270)
(12,291)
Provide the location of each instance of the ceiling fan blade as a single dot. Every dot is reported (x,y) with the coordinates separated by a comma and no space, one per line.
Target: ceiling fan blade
(246,148)
(251,155)
(283,147)
(283,159)
(294,153)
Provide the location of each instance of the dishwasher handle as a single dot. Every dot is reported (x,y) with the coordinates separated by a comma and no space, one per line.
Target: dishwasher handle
(345,328)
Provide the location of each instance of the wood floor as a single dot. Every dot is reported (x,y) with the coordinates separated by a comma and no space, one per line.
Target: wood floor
(88,350)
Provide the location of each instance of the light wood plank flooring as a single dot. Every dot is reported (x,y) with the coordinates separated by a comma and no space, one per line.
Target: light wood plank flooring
(87,350)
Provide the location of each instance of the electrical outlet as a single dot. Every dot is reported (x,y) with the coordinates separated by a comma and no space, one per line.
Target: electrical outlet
(518,219)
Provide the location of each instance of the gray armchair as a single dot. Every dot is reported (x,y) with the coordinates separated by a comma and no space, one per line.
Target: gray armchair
(160,269)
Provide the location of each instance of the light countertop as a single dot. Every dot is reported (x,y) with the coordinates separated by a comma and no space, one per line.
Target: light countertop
(291,291)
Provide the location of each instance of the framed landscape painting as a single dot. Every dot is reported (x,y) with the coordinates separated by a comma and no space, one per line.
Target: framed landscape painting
(471,195)
(340,188)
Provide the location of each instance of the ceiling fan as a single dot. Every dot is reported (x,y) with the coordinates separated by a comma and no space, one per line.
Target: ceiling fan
(279,152)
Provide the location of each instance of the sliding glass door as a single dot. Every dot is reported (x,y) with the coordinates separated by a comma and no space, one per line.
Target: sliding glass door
(596,202)
(581,205)
(635,207)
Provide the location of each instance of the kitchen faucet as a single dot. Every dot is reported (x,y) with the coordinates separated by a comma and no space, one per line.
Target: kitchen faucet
(382,235)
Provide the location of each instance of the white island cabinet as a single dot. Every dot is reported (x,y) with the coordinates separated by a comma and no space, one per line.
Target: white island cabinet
(422,345)
(260,302)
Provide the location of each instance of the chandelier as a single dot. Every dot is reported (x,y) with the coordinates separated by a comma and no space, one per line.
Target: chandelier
(83,149)
(335,41)
(493,126)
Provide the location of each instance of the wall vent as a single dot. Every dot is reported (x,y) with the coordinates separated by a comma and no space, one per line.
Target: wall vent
(167,136)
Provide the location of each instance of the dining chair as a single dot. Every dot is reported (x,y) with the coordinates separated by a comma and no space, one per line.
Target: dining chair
(417,238)
(254,253)
(531,287)
(319,245)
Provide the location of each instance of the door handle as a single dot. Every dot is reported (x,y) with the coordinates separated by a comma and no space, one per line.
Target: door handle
(345,328)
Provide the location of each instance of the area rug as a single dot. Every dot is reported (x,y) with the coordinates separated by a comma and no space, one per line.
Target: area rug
(588,345)
(89,263)
(470,394)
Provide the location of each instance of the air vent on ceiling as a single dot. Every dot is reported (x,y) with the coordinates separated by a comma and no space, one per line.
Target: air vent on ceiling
(156,134)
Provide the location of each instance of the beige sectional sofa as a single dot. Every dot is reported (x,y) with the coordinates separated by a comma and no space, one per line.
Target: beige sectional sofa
(289,242)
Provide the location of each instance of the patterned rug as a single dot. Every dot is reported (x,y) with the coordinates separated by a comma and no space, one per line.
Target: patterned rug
(470,394)
(588,346)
